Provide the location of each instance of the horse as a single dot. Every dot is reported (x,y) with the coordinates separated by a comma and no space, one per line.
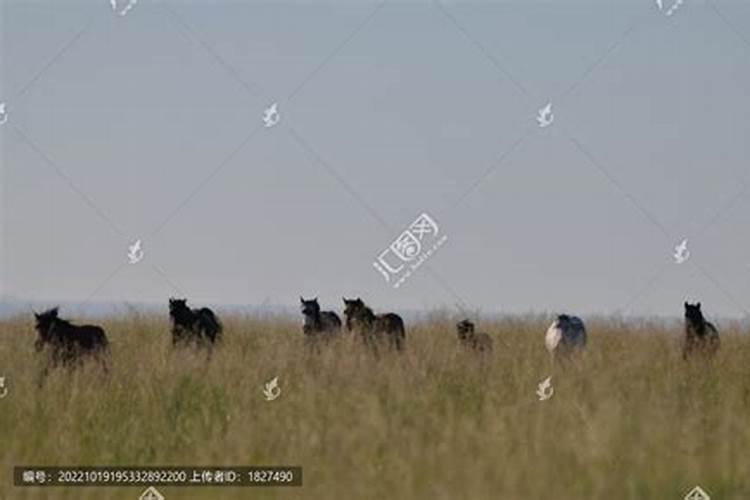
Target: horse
(318,324)
(701,336)
(198,326)
(478,341)
(69,345)
(565,335)
(374,328)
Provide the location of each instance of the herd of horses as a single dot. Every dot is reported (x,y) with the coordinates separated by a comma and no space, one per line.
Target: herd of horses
(70,345)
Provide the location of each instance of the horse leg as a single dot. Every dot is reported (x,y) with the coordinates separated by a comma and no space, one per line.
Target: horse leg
(103,358)
(399,342)
(43,375)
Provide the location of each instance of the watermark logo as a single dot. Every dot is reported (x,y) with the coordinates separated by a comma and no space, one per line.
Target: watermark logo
(135,252)
(670,10)
(271,389)
(545,390)
(409,251)
(545,117)
(271,115)
(697,493)
(151,493)
(3,388)
(681,252)
(122,7)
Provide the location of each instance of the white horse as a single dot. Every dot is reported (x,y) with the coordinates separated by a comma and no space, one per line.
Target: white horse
(565,334)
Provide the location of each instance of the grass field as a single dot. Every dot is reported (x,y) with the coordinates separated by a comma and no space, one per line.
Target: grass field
(628,420)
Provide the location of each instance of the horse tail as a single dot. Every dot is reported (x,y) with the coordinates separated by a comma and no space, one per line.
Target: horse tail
(211,324)
(393,326)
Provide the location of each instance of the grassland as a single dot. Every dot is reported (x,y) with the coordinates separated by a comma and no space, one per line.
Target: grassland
(628,420)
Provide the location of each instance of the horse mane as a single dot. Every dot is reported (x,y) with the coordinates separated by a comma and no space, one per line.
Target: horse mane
(366,313)
(61,322)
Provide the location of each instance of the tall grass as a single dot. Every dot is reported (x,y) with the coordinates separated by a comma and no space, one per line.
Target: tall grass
(628,420)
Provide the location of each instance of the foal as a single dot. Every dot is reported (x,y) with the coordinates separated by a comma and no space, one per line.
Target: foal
(477,341)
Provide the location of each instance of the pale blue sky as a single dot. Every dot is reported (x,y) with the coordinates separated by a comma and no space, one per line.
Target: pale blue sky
(117,125)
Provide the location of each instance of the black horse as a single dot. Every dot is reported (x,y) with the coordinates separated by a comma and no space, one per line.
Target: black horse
(68,344)
(701,336)
(374,328)
(318,324)
(193,326)
(468,337)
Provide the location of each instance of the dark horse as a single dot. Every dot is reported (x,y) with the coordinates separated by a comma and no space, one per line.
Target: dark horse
(318,324)
(69,344)
(374,327)
(199,326)
(469,338)
(700,335)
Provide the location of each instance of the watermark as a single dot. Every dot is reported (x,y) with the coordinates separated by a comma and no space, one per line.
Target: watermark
(3,388)
(150,477)
(122,7)
(135,252)
(151,493)
(34,477)
(681,252)
(545,390)
(670,10)
(271,389)
(410,250)
(545,117)
(697,493)
(3,114)
(271,115)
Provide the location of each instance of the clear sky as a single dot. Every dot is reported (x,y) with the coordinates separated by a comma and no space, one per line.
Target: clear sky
(149,126)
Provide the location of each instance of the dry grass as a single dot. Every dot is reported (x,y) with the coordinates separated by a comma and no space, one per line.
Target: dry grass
(629,420)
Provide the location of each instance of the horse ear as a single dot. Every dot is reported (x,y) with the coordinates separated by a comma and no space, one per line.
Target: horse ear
(699,305)
(54,311)
(686,304)
(301,300)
